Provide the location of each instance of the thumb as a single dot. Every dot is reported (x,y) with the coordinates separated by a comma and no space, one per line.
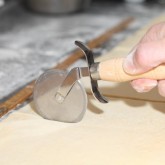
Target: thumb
(145,57)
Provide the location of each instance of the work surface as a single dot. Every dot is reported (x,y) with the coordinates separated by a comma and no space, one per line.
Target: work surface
(125,131)
(31,43)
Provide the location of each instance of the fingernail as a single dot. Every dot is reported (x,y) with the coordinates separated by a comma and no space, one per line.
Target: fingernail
(145,88)
(128,64)
(162,90)
(162,93)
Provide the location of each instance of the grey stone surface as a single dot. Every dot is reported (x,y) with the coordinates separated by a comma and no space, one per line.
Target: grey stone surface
(30,43)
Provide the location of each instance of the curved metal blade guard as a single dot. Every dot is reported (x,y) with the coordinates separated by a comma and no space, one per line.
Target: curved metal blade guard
(93,71)
(76,73)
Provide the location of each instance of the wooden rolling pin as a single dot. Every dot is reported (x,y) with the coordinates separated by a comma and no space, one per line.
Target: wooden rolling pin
(112,70)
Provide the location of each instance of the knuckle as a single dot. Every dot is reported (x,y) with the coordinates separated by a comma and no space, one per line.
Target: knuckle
(157,26)
(156,31)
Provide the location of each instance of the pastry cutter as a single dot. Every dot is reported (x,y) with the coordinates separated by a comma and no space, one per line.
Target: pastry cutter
(59,95)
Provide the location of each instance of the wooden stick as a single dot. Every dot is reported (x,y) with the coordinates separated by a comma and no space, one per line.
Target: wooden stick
(112,70)
(27,91)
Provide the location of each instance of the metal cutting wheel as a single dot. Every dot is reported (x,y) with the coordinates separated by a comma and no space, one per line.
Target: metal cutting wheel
(58,95)
(72,109)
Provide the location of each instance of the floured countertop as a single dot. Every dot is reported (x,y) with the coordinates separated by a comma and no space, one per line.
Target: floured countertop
(31,43)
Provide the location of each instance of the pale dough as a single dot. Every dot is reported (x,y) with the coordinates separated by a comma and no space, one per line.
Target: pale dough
(123,132)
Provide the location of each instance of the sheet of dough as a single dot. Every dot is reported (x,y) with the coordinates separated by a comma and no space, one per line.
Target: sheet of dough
(122,132)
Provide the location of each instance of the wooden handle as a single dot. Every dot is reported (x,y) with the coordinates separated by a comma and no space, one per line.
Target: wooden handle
(112,70)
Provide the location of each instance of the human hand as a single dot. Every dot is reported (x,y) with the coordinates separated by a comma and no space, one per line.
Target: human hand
(149,53)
